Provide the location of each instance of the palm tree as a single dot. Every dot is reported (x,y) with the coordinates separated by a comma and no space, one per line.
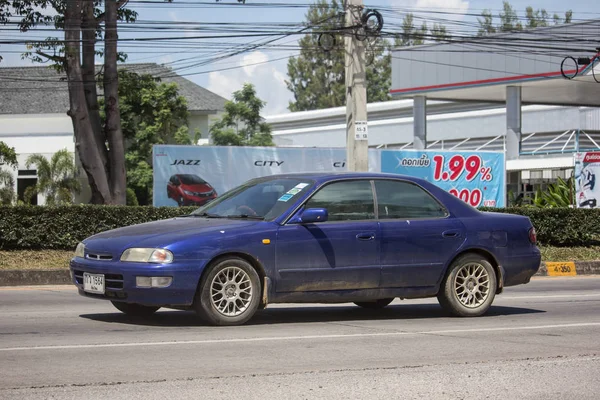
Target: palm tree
(56,178)
(7,184)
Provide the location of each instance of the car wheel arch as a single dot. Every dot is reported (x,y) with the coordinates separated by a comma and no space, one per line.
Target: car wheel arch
(253,261)
(488,256)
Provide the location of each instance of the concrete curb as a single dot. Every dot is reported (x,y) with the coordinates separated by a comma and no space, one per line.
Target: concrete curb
(569,268)
(34,277)
(62,277)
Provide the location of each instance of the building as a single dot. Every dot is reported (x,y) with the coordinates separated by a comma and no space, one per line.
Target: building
(33,106)
(500,92)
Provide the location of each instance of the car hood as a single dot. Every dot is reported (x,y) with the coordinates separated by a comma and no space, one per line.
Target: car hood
(160,233)
(197,187)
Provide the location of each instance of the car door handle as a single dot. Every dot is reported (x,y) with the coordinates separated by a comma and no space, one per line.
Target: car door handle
(451,234)
(365,236)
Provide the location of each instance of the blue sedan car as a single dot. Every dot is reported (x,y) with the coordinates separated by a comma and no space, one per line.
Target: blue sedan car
(314,238)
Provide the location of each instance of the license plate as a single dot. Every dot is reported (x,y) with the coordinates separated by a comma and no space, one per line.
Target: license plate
(93,283)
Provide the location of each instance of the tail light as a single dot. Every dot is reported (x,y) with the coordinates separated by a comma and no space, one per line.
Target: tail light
(532,236)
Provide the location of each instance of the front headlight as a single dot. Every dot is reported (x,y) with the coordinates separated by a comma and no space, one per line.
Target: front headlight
(160,256)
(80,250)
(189,193)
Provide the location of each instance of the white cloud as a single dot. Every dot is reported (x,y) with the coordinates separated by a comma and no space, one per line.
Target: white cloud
(449,6)
(267,77)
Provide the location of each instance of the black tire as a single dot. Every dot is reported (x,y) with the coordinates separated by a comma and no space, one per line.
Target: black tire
(381,303)
(470,288)
(205,306)
(135,310)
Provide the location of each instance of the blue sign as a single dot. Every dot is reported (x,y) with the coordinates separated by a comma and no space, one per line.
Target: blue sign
(475,177)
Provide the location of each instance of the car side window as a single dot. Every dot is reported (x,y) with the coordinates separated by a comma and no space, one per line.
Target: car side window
(405,200)
(346,200)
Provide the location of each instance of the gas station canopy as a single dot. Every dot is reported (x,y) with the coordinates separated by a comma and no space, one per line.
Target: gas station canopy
(481,68)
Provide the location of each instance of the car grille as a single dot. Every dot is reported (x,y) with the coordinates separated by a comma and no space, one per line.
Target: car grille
(99,257)
(204,194)
(112,281)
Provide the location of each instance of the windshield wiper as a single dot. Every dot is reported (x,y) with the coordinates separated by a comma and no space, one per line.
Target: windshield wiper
(206,215)
(246,216)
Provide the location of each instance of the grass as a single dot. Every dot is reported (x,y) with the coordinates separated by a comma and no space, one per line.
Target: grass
(59,259)
(35,259)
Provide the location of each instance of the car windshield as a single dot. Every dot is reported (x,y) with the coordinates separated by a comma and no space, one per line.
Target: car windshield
(191,180)
(262,198)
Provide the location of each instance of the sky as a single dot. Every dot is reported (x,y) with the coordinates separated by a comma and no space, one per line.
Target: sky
(265,66)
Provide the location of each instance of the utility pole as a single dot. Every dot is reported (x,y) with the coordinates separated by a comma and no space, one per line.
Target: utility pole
(357,143)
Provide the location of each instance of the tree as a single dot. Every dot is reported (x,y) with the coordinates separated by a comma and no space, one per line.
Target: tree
(411,36)
(538,18)
(439,33)
(317,77)
(100,147)
(241,124)
(7,155)
(56,177)
(151,113)
(7,185)
(509,20)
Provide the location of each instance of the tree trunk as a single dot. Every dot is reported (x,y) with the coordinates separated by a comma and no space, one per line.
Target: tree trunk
(114,134)
(85,142)
(89,83)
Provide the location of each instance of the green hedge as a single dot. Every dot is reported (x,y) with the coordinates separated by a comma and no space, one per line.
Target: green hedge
(62,227)
(39,227)
(561,226)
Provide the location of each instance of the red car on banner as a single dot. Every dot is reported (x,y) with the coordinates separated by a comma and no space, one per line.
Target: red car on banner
(189,189)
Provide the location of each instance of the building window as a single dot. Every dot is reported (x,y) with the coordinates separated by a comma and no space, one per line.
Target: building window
(27,178)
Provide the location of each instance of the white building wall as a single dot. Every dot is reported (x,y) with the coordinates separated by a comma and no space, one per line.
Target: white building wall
(30,134)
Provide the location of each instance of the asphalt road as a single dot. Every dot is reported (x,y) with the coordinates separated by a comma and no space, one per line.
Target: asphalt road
(539,341)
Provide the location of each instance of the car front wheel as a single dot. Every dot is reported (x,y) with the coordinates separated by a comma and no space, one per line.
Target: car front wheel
(229,293)
(135,310)
(469,287)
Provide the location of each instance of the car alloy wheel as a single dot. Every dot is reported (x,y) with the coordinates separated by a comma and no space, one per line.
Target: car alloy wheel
(231,291)
(472,285)
(469,287)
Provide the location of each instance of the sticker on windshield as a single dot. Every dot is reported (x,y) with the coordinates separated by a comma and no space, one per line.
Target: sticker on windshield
(301,186)
(294,191)
(285,197)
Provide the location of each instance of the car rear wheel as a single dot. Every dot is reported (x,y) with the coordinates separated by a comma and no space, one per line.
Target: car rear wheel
(381,303)
(135,310)
(229,293)
(469,287)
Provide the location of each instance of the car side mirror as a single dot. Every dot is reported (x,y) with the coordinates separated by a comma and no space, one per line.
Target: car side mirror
(311,216)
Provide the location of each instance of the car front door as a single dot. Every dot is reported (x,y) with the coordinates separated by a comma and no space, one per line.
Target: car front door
(339,254)
(418,236)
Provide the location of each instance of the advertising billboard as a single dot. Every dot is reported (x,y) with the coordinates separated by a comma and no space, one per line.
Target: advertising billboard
(194,175)
(478,178)
(587,167)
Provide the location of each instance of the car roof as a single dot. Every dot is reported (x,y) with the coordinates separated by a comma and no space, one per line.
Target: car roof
(327,176)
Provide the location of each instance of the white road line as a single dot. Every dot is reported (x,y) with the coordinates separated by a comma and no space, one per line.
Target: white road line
(551,296)
(308,337)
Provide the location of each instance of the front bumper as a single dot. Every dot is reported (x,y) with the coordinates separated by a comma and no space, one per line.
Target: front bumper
(120,283)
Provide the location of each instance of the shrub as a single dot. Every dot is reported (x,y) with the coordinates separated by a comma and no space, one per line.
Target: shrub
(62,227)
(561,226)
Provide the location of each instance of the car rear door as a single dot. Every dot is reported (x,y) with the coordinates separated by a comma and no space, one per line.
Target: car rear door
(340,254)
(418,236)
